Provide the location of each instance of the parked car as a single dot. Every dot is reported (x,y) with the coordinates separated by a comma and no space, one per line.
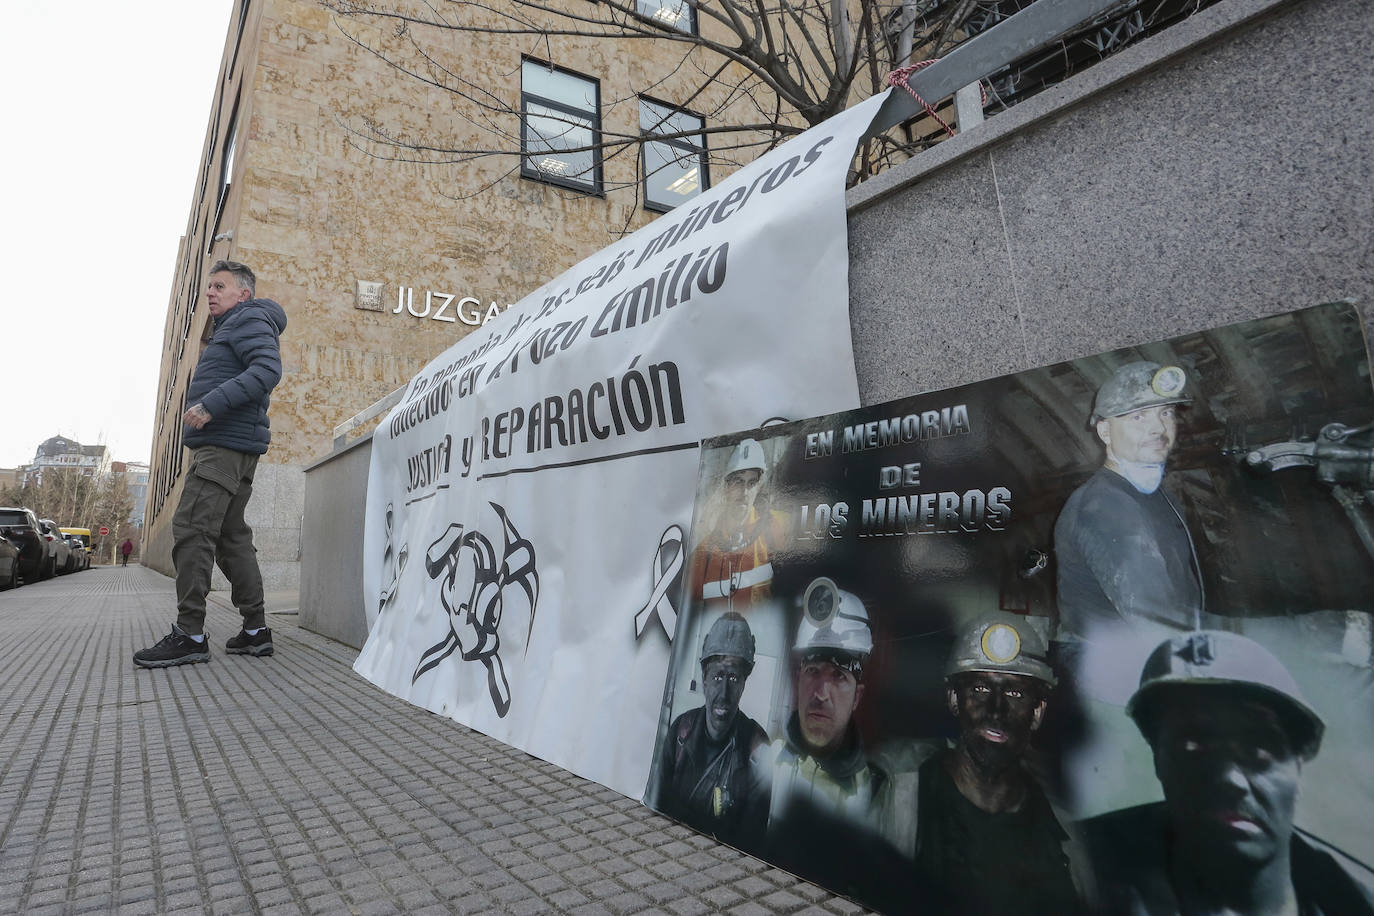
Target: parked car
(59,554)
(9,564)
(20,528)
(77,553)
(82,537)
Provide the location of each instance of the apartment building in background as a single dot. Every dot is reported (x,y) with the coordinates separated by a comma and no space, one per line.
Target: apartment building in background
(136,482)
(58,452)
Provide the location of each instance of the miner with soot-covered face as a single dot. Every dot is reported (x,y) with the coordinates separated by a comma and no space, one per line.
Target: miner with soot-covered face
(974,825)
(1230,732)
(705,778)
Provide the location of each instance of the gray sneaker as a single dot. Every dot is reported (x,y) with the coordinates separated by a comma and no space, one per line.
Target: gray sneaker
(243,644)
(176,648)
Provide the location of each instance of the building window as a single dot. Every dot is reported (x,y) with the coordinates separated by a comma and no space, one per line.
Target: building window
(674,167)
(226,170)
(675,13)
(226,174)
(238,40)
(560,124)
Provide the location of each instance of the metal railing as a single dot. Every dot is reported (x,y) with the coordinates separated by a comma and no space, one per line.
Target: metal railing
(1028,31)
(359,420)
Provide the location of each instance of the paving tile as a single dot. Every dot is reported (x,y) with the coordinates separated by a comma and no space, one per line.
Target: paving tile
(299,787)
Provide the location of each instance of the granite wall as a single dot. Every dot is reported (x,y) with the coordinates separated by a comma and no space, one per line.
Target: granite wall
(1216,172)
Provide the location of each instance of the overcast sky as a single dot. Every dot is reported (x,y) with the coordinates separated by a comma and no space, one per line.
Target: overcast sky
(106,106)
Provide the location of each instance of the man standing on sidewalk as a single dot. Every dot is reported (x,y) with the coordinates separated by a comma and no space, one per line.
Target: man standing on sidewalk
(124,550)
(226,430)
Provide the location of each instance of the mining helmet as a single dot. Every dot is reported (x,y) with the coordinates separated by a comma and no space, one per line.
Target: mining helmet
(1213,659)
(1138,385)
(1000,643)
(729,635)
(834,625)
(747,454)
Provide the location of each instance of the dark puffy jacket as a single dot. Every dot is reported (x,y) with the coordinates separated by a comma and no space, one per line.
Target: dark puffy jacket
(236,374)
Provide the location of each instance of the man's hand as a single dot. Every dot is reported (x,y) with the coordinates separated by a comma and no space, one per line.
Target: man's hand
(196,417)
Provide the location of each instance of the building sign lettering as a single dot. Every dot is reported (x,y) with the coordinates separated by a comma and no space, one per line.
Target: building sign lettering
(435,306)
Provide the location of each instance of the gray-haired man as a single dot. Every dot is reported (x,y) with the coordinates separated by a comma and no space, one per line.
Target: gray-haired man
(226,428)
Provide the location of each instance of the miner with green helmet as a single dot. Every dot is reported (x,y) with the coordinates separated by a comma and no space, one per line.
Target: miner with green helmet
(972,820)
(1123,552)
(705,778)
(1230,731)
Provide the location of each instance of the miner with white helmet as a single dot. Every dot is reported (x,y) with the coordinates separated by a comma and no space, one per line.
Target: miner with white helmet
(705,778)
(732,566)
(821,785)
(1230,731)
(833,642)
(974,825)
(1123,551)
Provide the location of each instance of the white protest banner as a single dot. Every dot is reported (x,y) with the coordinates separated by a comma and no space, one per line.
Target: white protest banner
(529,497)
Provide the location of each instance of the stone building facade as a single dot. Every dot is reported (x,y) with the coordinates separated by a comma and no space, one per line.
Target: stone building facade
(382,264)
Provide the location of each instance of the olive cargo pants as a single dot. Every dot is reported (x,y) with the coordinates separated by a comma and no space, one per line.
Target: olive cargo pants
(209,528)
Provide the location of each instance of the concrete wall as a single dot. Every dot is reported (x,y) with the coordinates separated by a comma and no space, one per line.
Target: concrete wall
(274,513)
(1217,172)
(331,599)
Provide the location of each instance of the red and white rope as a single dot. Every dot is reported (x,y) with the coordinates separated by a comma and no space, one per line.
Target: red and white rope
(902,77)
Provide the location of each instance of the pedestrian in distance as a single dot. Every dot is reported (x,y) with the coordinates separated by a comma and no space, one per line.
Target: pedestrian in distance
(124,550)
(227,430)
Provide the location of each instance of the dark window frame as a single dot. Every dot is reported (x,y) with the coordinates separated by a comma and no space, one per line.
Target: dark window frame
(238,39)
(597,186)
(226,176)
(676,142)
(690,10)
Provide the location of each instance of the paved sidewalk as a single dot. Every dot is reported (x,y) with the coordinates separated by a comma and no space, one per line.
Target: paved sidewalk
(289,784)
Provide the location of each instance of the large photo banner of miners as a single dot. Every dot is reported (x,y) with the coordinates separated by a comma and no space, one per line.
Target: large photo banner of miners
(1093,637)
(529,497)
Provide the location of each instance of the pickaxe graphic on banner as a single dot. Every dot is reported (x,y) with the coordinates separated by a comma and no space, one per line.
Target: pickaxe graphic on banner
(476,588)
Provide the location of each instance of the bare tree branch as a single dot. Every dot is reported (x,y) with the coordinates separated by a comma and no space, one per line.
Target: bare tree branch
(755,71)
